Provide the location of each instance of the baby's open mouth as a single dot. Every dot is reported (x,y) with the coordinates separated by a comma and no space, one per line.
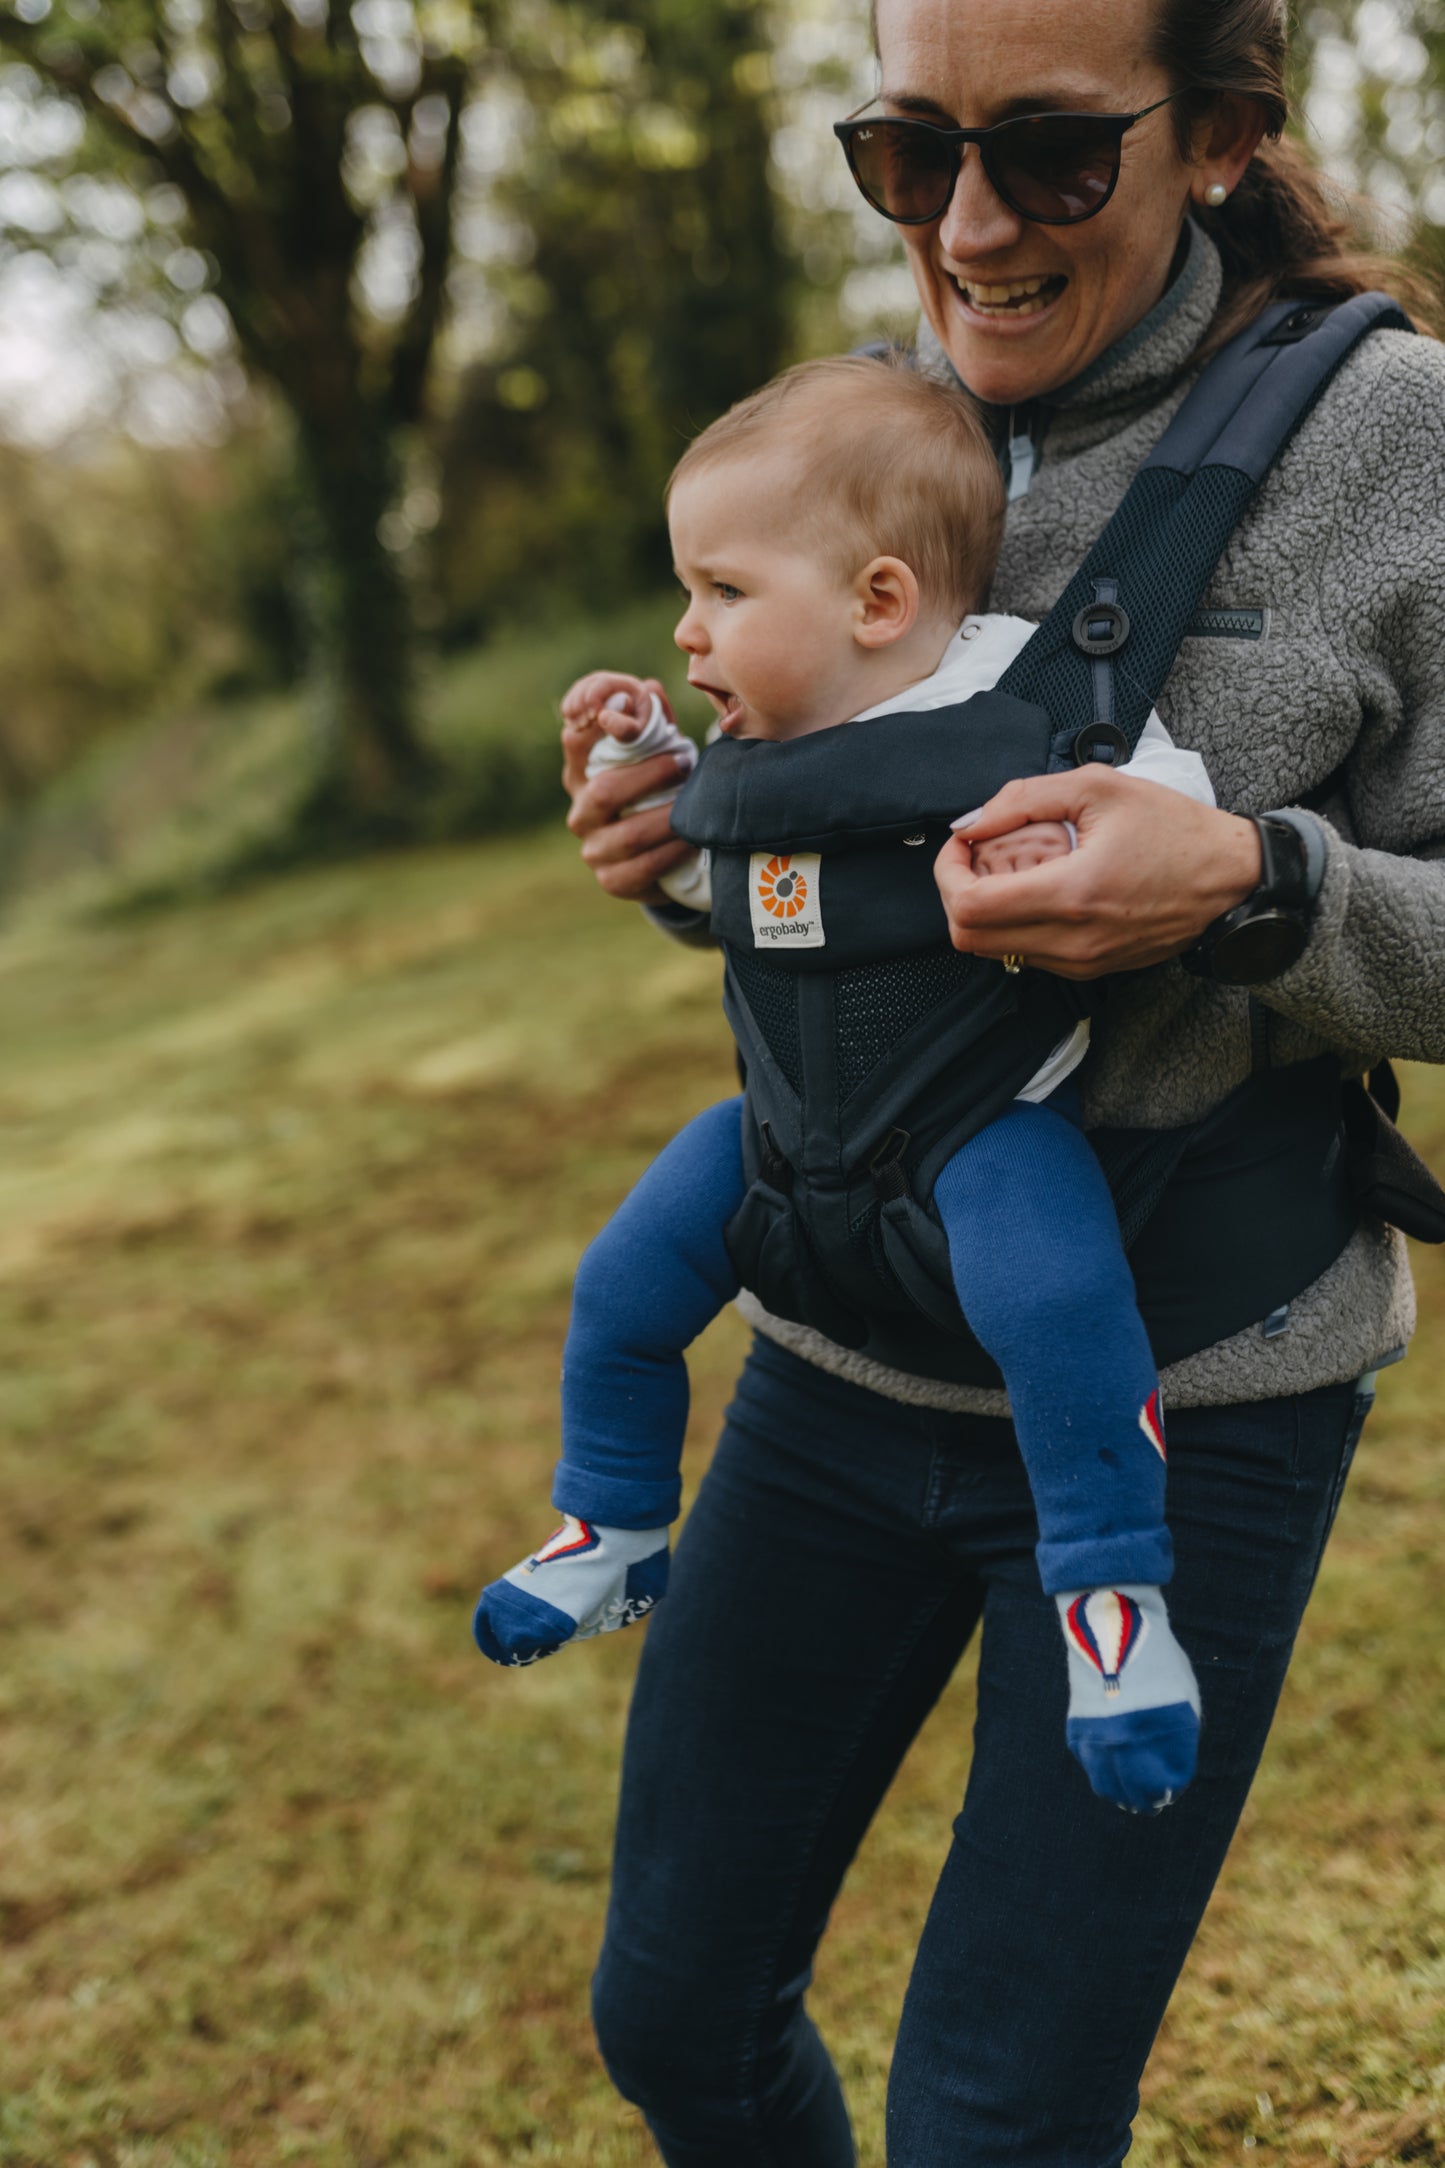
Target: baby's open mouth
(728,706)
(1011,297)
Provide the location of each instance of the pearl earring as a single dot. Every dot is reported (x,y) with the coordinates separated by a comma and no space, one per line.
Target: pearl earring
(1215,194)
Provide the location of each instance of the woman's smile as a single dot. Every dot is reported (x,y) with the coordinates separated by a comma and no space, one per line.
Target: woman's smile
(1005,303)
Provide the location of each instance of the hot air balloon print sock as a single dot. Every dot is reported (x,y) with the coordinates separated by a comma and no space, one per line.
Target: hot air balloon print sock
(585,1580)
(1133,1719)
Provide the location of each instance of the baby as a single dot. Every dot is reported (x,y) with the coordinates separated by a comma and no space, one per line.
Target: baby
(836,536)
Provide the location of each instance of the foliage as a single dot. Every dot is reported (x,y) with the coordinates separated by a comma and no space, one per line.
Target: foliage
(315,149)
(125,570)
(202,794)
(293,1187)
(650,289)
(101,601)
(1369,76)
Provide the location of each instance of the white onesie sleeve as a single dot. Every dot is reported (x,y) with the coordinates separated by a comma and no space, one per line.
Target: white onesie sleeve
(1157,759)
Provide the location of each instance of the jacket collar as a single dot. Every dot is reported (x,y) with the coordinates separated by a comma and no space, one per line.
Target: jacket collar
(1138,369)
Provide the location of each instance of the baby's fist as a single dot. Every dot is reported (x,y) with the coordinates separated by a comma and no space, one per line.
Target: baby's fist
(1022,848)
(608,700)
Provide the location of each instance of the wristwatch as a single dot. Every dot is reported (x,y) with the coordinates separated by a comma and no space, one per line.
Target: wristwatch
(1265,934)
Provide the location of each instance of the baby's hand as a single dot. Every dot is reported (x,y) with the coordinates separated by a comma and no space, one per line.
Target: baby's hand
(609,700)
(1022,848)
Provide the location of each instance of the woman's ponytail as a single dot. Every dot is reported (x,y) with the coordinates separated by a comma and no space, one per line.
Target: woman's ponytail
(1286,230)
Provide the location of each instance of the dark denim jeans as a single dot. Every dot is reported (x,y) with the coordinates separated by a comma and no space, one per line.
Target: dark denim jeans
(839,1557)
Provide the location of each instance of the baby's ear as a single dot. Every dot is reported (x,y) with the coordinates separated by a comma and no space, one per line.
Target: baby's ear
(885,602)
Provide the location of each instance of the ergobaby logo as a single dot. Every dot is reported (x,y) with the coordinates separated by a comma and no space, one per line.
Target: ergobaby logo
(783,894)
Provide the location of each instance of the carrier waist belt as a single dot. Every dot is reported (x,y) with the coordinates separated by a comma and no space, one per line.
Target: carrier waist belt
(1237,1215)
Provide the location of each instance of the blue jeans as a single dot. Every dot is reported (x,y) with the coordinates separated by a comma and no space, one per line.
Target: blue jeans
(840,1555)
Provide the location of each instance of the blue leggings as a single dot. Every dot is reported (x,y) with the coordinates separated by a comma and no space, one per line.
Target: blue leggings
(1040,1274)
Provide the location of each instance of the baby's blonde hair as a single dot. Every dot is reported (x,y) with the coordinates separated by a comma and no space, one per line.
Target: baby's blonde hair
(877,461)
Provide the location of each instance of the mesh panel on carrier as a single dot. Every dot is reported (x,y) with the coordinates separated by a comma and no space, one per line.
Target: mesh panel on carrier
(1164,530)
(878,1003)
(772,996)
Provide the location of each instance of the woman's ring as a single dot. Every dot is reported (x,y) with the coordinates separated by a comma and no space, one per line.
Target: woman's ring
(1013,965)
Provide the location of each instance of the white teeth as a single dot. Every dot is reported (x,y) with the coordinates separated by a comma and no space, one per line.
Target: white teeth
(1017,296)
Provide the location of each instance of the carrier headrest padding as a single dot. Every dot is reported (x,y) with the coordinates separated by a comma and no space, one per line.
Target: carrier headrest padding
(861,783)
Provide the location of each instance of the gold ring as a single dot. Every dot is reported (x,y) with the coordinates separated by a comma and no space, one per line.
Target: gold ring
(1013,965)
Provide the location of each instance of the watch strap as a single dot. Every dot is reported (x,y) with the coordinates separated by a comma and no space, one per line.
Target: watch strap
(1316,851)
(1267,932)
(1283,869)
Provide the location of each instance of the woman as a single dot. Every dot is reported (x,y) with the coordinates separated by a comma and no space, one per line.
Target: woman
(857,1525)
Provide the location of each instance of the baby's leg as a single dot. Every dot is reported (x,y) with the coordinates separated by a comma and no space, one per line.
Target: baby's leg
(646,1287)
(1042,1278)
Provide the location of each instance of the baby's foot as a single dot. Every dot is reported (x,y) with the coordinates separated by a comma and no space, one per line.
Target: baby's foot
(1133,1702)
(585,1580)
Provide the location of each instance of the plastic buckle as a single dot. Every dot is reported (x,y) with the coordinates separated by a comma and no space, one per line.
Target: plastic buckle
(1100,629)
(1104,742)
(1299,324)
(886,1166)
(775,1167)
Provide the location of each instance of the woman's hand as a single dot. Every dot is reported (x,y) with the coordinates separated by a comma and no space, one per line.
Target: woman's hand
(628,852)
(1152,869)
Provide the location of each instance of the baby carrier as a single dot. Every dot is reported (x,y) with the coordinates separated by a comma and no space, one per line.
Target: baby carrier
(873,1050)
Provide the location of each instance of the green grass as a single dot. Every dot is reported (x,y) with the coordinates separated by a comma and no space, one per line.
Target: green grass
(291,1188)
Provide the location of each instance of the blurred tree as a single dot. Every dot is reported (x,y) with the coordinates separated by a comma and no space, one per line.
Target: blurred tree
(648,287)
(317,152)
(1369,81)
(315,145)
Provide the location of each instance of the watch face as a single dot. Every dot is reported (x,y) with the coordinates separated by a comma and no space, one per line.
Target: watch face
(1259,949)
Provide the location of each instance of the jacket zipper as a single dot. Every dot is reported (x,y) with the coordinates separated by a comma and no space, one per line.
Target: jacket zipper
(1022,455)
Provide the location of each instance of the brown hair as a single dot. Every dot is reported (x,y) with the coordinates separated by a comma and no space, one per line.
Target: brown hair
(876,461)
(1285,231)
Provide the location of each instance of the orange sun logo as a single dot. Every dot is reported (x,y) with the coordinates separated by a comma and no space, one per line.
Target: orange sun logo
(780,890)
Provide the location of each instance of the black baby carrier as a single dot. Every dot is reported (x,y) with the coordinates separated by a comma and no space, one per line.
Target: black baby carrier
(873,1050)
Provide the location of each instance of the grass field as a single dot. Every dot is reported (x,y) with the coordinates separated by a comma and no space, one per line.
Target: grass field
(291,1186)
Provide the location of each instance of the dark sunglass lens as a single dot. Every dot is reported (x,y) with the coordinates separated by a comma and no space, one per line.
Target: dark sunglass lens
(1058,169)
(905,170)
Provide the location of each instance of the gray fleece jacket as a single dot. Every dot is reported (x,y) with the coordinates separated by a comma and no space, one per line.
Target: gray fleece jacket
(1343,553)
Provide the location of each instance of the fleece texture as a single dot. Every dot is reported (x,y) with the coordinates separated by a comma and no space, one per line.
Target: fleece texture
(1342,701)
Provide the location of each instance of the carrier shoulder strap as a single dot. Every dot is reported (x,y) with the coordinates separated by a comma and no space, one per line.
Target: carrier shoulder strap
(1102,656)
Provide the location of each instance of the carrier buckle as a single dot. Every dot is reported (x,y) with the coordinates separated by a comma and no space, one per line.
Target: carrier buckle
(1299,324)
(1100,629)
(1104,742)
(775,1165)
(886,1166)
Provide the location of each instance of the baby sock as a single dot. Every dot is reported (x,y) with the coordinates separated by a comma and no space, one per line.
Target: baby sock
(585,1580)
(1133,1703)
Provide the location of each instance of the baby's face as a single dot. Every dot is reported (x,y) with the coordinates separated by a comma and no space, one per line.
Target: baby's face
(768,628)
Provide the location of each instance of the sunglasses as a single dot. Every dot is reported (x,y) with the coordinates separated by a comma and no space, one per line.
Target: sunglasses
(1054,169)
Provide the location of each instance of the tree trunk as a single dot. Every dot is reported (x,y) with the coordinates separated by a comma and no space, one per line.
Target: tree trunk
(373,772)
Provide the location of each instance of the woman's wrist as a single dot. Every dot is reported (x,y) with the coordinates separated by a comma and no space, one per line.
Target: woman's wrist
(1237,870)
